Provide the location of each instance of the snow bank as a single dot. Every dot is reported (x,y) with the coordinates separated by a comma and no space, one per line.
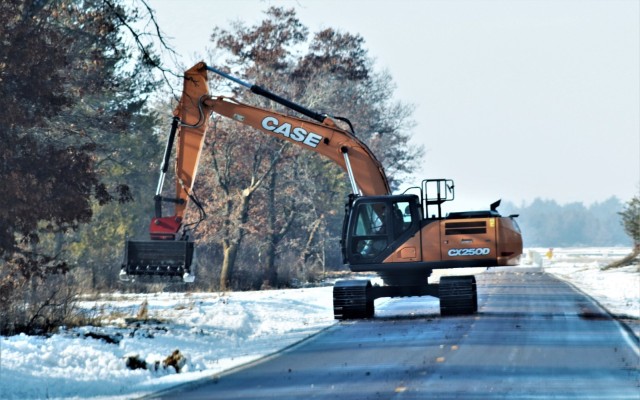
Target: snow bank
(618,290)
(214,332)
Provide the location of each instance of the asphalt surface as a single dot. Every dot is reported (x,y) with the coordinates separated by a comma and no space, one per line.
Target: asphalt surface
(534,337)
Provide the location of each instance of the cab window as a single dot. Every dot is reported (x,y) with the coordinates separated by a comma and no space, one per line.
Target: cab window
(377,225)
(370,236)
(401,218)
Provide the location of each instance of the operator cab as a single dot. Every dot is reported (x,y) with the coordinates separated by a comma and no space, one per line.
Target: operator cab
(377,225)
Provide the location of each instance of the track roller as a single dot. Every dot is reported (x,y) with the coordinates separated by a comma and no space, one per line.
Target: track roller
(458,295)
(351,300)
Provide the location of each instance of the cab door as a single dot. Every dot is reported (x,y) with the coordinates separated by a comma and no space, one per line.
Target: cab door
(379,225)
(369,234)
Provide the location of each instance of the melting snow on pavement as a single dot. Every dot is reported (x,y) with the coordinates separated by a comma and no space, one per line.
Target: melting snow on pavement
(215,332)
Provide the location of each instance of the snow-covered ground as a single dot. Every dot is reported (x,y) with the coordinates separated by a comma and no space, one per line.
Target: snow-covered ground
(215,332)
(617,290)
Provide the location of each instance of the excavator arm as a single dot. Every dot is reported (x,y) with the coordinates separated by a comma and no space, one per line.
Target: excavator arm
(190,124)
(326,138)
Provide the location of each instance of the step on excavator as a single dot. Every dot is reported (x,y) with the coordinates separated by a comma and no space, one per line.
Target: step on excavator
(400,237)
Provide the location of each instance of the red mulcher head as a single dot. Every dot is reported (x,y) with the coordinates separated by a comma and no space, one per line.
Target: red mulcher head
(161,256)
(164,258)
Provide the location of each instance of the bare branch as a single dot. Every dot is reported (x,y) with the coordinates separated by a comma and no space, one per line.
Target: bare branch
(147,56)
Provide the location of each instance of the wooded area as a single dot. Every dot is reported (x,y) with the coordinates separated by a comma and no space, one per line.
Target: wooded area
(545,223)
(77,132)
(83,143)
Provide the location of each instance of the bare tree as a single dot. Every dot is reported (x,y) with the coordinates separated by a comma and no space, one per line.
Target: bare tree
(282,196)
(631,223)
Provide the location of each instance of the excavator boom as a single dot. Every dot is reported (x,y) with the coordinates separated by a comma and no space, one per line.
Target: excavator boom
(326,139)
(190,124)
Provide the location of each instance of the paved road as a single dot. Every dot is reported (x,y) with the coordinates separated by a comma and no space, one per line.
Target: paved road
(533,338)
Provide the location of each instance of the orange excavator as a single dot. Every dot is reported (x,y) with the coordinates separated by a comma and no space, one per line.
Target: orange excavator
(401,237)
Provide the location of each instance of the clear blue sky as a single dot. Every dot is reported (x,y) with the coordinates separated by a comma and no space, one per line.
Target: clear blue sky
(514,99)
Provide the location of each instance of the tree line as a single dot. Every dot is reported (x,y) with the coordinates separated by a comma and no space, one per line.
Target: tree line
(545,223)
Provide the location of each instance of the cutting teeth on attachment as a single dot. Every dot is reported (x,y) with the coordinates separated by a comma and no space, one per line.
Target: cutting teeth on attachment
(123,276)
(188,278)
(163,258)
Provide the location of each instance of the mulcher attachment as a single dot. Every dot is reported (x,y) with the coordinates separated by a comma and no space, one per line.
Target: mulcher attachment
(458,295)
(165,258)
(351,299)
